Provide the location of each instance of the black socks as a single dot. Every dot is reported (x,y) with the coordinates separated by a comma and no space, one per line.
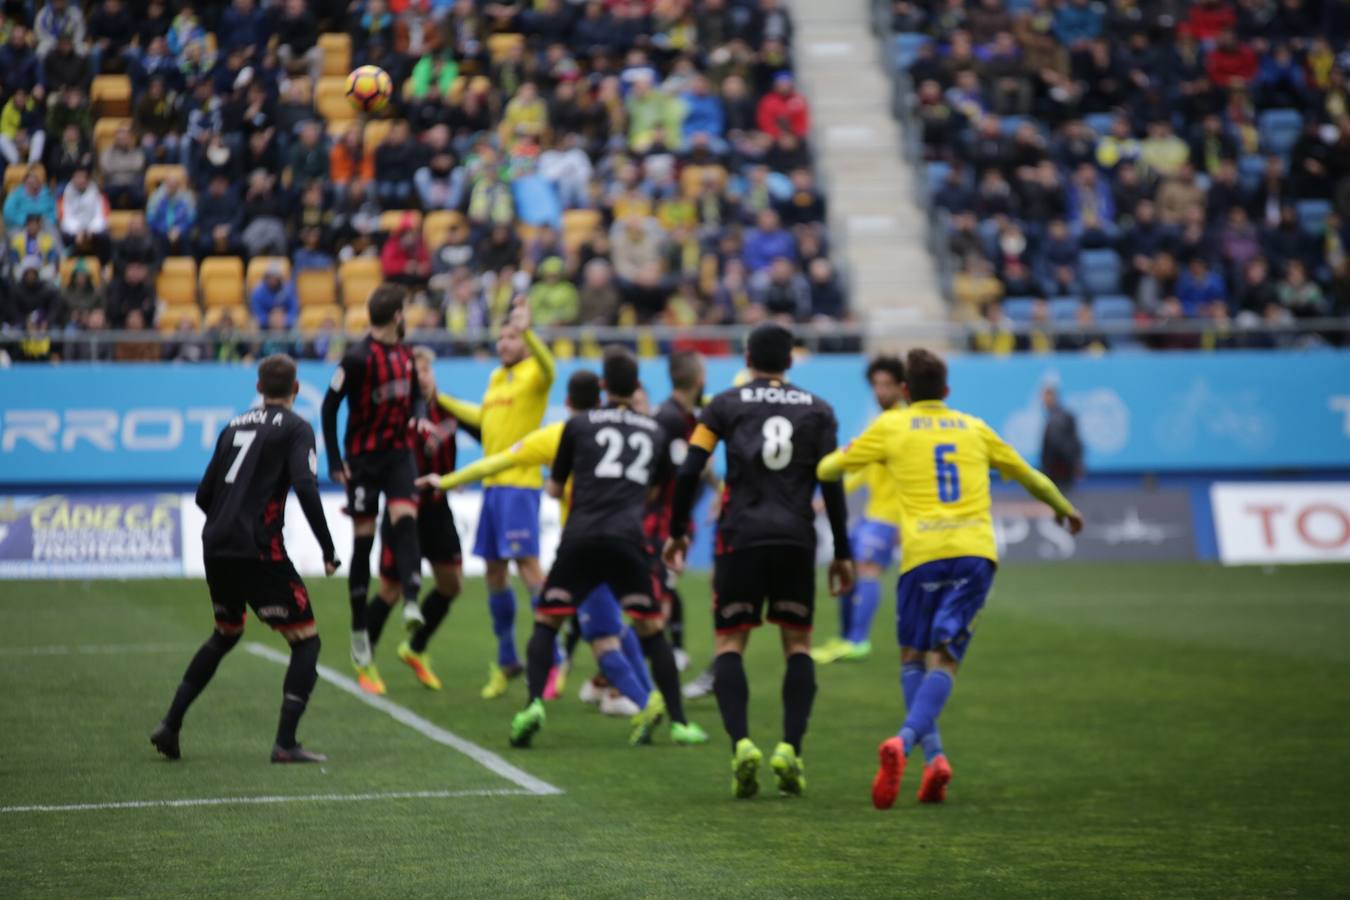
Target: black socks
(358,579)
(733,695)
(435,607)
(539,658)
(665,674)
(408,556)
(377,614)
(799,691)
(198,675)
(299,684)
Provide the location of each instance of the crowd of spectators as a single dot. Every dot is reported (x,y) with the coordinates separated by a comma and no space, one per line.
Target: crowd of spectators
(1146,160)
(615,161)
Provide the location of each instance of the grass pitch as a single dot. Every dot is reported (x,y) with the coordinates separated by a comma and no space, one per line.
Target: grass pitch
(1118,731)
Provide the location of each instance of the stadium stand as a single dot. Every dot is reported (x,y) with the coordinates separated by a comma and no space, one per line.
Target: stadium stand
(658,151)
(1162,162)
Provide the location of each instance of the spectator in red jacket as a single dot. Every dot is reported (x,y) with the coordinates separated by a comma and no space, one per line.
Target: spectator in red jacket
(783,110)
(1231,63)
(1207,19)
(405,258)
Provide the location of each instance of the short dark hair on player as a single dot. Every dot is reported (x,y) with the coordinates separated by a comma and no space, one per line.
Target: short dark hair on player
(926,375)
(583,390)
(891,365)
(620,371)
(385,301)
(276,376)
(684,369)
(770,348)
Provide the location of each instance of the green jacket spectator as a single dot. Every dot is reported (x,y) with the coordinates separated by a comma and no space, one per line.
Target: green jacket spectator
(441,70)
(553,299)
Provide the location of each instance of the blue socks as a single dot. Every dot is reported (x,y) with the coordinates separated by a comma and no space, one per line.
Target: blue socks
(867,599)
(911,676)
(621,675)
(632,651)
(502,606)
(929,699)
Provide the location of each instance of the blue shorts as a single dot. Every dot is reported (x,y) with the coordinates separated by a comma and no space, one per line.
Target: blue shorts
(508,525)
(936,603)
(874,542)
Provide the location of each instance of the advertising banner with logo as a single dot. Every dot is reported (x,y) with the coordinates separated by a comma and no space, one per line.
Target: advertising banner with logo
(1282,523)
(1121,526)
(98,535)
(156,424)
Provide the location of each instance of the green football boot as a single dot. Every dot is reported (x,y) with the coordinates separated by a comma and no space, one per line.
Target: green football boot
(790,769)
(526,722)
(645,722)
(687,733)
(745,770)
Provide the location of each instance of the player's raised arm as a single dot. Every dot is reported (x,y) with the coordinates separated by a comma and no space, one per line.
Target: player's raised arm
(302,467)
(1013,467)
(520,317)
(868,447)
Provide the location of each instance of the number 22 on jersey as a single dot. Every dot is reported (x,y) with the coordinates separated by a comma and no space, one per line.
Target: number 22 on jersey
(611,466)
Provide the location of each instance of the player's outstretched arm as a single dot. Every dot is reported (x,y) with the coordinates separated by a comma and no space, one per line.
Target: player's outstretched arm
(470,414)
(857,454)
(1012,466)
(483,468)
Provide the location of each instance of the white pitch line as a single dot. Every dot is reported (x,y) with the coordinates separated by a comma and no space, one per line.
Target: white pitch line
(278,798)
(90,649)
(484,757)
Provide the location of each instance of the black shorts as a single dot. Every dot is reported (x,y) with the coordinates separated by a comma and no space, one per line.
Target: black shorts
(745,580)
(582,566)
(388,472)
(436,537)
(273,589)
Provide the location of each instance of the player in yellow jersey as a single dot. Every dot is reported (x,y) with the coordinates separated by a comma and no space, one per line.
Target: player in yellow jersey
(508,525)
(940,459)
(874,537)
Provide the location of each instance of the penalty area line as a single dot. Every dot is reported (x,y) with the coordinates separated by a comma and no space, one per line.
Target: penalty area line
(481,755)
(278,798)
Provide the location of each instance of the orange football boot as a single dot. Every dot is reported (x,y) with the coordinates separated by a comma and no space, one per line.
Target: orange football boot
(886,784)
(936,775)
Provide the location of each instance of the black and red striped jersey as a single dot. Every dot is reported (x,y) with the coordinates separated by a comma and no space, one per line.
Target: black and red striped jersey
(380,383)
(259,457)
(677,423)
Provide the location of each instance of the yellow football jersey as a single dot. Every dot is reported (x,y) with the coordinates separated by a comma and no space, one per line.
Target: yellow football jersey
(883,494)
(513,406)
(939,461)
(536,449)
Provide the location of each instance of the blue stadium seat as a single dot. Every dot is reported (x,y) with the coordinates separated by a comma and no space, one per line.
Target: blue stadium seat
(905,49)
(1312,216)
(1064,309)
(1099,122)
(1009,124)
(1251,169)
(1279,130)
(1099,270)
(1113,308)
(1019,308)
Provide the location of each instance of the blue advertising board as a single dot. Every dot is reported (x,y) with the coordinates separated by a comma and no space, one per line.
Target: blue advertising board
(156,424)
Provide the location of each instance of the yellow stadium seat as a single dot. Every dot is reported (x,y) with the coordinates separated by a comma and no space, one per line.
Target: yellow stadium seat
(105,129)
(358,319)
(222,281)
(391,219)
(499,45)
(436,226)
(376,131)
(173,313)
(330,99)
(360,265)
(357,288)
(577,226)
(316,287)
(158,174)
(312,318)
(17,172)
(337,53)
(91,264)
(119,220)
(176,283)
(110,95)
(257,267)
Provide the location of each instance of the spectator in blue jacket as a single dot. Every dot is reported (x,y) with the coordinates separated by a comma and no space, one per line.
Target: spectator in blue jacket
(1077,21)
(1199,287)
(703,112)
(767,241)
(274,292)
(31,198)
(1090,193)
(242,25)
(171,213)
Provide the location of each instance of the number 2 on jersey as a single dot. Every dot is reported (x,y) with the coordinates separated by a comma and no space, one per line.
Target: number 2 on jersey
(948,475)
(610,465)
(243,440)
(777,449)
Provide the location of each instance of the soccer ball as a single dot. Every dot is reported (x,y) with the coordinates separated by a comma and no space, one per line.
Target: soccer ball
(369,88)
